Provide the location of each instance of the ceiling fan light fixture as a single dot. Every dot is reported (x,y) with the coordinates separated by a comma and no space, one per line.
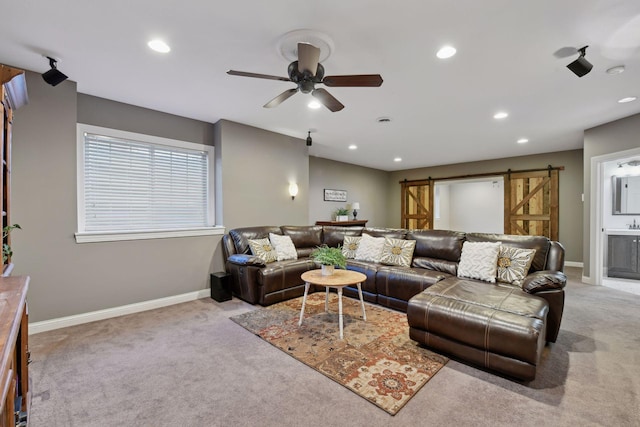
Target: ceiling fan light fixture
(314,105)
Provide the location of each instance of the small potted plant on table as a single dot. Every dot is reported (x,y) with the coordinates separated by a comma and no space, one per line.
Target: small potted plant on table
(342,214)
(329,258)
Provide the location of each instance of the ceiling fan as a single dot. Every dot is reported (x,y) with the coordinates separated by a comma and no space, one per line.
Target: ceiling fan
(306,72)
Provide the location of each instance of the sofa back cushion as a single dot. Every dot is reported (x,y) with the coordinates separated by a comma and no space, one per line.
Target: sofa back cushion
(392,233)
(241,236)
(436,264)
(333,235)
(439,244)
(304,237)
(539,243)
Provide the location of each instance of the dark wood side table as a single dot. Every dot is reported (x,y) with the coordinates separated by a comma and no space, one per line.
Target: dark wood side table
(354,223)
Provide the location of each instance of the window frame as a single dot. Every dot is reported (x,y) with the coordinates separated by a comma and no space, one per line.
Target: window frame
(82,236)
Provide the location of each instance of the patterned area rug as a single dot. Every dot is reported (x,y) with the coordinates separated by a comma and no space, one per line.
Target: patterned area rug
(376,359)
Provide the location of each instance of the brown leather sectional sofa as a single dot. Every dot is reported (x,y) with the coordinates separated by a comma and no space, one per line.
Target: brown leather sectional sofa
(497,326)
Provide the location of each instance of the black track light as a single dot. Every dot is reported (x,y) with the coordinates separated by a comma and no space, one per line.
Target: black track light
(54,76)
(581,66)
(309,141)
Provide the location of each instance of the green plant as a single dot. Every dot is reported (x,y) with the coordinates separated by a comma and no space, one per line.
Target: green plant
(6,249)
(342,211)
(326,255)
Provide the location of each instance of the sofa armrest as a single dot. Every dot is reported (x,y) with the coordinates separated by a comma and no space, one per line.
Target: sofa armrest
(244,259)
(545,280)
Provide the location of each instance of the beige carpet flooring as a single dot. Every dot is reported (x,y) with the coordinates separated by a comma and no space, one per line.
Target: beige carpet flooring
(189,365)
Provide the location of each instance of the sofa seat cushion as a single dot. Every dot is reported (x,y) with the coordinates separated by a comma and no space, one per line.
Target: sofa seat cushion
(369,269)
(497,319)
(280,275)
(404,282)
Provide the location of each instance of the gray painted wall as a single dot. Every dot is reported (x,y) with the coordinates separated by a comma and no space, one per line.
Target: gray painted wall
(69,278)
(256,168)
(570,189)
(609,138)
(363,185)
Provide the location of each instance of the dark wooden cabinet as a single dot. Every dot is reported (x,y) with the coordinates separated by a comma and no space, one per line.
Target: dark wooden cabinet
(352,223)
(623,259)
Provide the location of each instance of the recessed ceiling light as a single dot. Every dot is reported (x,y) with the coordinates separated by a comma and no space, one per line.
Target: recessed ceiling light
(314,104)
(627,99)
(501,115)
(446,52)
(523,141)
(353,147)
(616,70)
(397,159)
(159,46)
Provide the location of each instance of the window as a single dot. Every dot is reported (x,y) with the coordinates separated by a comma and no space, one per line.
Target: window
(133,186)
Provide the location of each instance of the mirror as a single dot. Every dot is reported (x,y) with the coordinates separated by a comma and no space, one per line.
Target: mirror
(626,195)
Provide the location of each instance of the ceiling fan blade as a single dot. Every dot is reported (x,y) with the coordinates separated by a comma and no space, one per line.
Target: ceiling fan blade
(362,80)
(280,98)
(327,100)
(256,75)
(308,57)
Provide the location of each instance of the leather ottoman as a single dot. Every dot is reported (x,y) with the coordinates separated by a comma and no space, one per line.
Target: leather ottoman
(494,326)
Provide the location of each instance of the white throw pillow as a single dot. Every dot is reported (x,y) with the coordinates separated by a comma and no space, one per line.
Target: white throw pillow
(284,247)
(479,260)
(370,248)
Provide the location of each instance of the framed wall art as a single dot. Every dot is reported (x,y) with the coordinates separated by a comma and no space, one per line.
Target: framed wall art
(335,195)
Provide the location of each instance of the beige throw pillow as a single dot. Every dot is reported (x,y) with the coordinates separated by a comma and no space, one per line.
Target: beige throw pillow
(263,249)
(479,260)
(514,264)
(350,246)
(284,247)
(398,252)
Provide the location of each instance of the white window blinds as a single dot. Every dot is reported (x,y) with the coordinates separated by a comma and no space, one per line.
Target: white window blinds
(131,185)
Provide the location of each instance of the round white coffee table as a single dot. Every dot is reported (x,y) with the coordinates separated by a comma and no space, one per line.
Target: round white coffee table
(338,280)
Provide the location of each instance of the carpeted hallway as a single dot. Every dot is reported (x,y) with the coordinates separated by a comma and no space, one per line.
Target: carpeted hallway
(189,365)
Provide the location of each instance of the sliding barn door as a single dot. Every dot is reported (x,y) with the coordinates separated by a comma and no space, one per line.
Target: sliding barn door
(531,203)
(417,205)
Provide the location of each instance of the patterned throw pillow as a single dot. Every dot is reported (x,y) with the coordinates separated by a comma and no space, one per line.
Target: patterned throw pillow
(283,246)
(514,263)
(370,248)
(263,249)
(350,246)
(479,260)
(398,252)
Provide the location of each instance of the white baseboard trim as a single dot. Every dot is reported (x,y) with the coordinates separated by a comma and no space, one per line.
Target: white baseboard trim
(78,319)
(573,264)
(588,280)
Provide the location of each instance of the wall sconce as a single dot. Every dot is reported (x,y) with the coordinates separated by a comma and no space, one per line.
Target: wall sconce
(293,190)
(354,207)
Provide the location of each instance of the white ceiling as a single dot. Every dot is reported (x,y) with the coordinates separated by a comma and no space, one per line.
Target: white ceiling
(441,110)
